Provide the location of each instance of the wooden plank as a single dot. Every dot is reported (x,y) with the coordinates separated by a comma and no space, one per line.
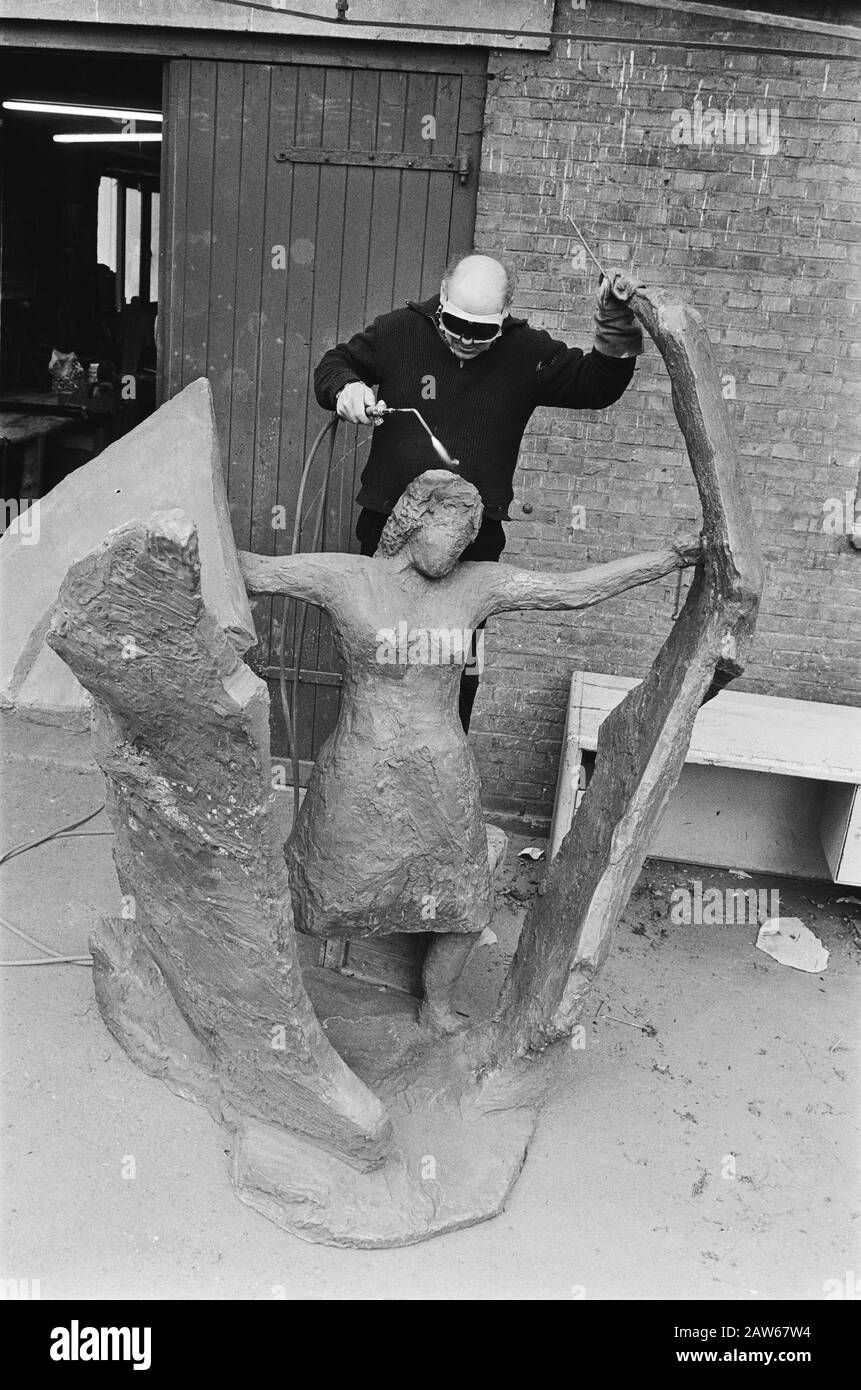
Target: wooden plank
(470,122)
(173,240)
(735,15)
(198,222)
(251,194)
(332,244)
(744,820)
(385,212)
(415,185)
(280,190)
(436,243)
(285,116)
(311,124)
(227,162)
(394,961)
(740,729)
(302,251)
(355,307)
(850,860)
(836,814)
(17,427)
(762,825)
(272,438)
(298,399)
(570,764)
(242,48)
(786,737)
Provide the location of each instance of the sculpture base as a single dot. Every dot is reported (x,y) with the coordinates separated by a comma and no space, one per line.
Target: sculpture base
(454,1164)
(459,1144)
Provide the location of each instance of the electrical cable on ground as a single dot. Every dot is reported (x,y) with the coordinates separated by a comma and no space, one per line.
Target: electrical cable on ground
(52,835)
(52,957)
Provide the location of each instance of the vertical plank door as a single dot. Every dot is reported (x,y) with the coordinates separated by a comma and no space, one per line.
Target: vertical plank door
(300,200)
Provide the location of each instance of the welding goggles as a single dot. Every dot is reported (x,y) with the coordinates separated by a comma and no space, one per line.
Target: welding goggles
(472,328)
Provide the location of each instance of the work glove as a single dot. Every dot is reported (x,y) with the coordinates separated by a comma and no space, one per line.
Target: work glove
(357,403)
(617,332)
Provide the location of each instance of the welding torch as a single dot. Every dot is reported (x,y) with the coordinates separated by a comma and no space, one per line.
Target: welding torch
(378,412)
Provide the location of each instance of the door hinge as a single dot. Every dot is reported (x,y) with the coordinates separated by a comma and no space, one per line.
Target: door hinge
(378,159)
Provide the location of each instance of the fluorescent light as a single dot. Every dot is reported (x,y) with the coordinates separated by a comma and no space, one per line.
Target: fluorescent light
(102,138)
(58,108)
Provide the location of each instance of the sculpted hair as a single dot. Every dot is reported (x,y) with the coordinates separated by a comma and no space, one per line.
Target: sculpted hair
(437,485)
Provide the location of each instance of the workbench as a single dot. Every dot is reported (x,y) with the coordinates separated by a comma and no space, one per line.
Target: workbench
(18,427)
(30,418)
(769,784)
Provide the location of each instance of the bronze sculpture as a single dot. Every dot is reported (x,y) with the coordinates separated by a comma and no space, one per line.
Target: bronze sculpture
(391,836)
(352,1123)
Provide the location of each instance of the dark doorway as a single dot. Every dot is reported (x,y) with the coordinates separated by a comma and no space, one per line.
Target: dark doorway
(79,261)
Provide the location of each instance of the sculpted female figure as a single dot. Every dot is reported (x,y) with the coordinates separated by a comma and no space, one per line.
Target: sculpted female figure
(390,836)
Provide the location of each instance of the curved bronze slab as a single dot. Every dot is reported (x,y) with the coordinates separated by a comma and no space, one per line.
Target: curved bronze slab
(182,738)
(644,741)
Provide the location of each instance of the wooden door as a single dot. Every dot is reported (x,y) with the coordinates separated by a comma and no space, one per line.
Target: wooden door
(299,201)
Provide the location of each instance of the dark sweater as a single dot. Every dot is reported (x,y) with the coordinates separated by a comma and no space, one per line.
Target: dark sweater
(480,408)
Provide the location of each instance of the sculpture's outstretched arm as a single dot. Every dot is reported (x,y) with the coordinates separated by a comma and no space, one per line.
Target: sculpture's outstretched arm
(322,579)
(514,588)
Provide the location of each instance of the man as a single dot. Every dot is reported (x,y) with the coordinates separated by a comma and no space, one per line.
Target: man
(476,374)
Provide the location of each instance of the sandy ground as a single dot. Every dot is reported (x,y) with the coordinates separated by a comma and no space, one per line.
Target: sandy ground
(704,1142)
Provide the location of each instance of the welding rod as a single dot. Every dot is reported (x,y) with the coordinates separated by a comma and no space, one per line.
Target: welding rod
(588,248)
(624,297)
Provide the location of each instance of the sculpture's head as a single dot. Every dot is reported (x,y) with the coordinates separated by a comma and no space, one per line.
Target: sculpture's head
(436,517)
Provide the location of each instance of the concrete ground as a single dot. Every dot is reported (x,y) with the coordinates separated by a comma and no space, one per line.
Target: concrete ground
(704,1142)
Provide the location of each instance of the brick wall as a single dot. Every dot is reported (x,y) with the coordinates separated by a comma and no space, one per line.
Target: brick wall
(765,245)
